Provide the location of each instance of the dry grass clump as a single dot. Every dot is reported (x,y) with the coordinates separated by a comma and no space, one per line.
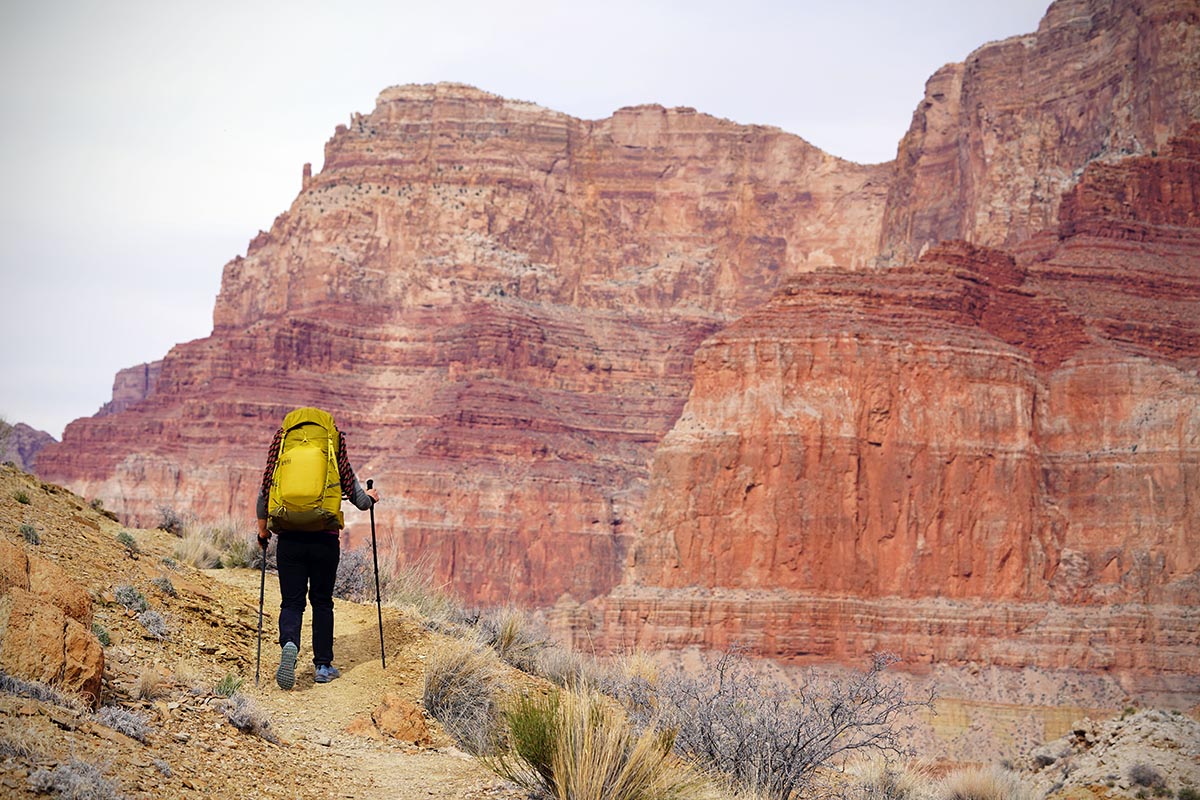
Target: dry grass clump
(880,779)
(151,685)
(513,636)
(581,747)
(247,717)
(76,780)
(462,685)
(983,783)
(413,586)
(198,550)
(35,690)
(133,724)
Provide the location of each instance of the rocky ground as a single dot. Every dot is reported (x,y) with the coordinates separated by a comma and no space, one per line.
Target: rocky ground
(363,735)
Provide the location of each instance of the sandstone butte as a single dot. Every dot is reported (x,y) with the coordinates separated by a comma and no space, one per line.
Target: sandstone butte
(712,383)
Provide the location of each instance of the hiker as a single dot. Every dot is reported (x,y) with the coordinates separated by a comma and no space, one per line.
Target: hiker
(307,475)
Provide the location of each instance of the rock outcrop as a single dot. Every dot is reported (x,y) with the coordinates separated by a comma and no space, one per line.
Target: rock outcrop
(46,625)
(999,138)
(980,458)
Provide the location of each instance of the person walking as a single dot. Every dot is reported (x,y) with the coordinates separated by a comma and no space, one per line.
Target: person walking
(306,476)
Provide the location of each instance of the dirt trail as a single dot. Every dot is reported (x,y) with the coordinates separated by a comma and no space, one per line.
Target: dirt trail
(313,717)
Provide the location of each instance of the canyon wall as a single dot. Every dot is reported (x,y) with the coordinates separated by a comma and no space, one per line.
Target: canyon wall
(999,138)
(650,369)
(979,458)
(499,303)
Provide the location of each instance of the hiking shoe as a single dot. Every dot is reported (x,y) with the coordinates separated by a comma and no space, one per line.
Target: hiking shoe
(285,676)
(326,673)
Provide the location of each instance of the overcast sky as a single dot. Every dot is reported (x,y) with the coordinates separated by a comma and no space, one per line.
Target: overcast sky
(144,144)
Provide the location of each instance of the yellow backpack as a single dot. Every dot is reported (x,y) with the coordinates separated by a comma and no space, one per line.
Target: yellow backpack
(306,489)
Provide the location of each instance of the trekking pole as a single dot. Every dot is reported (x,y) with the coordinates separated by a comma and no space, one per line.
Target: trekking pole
(375,557)
(262,588)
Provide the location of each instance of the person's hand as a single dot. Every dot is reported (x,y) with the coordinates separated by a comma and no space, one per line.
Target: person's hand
(264,535)
(373,494)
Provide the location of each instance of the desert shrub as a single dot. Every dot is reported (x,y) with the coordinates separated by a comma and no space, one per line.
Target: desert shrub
(1187,793)
(462,684)
(355,576)
(228,686)
(236,545)
(130,597)
(768,736)
(101,634)
(154,624)
(196,549)
(171,521)
(170,563)
(36,690)
(126,540)
(164,585)
(511,634)
(30,534)
(880,779)
(13,748)
(75,780)
(413,586)
(21,497)
(163,767)
(133,724)
(582,747)
(247,717)
(569,669)
(1142,774)
(983,783)
(150,685)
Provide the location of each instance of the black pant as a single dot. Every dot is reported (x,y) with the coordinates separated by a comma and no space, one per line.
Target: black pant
(308,563)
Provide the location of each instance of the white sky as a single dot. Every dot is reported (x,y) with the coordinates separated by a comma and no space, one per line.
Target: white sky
(144,143)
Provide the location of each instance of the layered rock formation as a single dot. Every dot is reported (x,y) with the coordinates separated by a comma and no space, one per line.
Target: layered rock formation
(999,138)
(21,444)
(978,458)
(987,455)
(500,304)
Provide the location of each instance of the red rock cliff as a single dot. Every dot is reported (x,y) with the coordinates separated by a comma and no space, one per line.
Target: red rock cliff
(978,458)
(500,304)
(999,138)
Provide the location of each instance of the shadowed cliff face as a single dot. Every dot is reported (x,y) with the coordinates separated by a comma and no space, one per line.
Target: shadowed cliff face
(650,352)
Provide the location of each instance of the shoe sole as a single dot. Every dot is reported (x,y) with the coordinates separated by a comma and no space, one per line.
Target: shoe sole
(285,676)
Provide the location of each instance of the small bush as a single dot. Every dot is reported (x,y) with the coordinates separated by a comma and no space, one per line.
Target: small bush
(36,690)
(510,633)
(462,683)
(131,598)
(768,736)
(30,534)
(170,563)
(170,520)
(1188,793)
(125,538)
(75,780)
(101,634)
(164,585)
(21,497)
(163,767)
(133,724)
(355,576)
(244,715)
(10,748)
(197,550)
(1142,774)
(154,624)
(413,585)
(228,686)
(985,783)
(878,779)
(149,685)
(582,747)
